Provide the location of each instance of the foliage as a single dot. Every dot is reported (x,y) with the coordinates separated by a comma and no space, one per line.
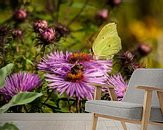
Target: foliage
(4,72)
(8,126)
(20,99)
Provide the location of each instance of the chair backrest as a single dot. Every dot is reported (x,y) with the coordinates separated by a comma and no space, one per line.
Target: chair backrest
(143,77)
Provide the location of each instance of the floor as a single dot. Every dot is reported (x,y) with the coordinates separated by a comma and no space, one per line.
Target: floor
(59,121)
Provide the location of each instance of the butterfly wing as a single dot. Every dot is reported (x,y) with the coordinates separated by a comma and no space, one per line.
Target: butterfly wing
(107,42)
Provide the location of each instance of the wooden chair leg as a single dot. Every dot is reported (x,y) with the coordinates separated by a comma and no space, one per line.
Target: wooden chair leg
(146,110)
(124,125)
(160,98)
(94,121)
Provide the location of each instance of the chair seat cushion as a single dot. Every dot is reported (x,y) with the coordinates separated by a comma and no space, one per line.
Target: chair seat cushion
(131,111)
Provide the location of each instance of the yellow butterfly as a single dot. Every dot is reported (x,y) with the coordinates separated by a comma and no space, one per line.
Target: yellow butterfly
(107,42)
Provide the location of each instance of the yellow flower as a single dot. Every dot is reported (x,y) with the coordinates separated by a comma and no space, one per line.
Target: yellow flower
(145,30)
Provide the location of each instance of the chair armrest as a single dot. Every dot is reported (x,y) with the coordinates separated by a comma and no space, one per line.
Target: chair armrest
(102,85)
(150,88)
(148,101)
(97,95)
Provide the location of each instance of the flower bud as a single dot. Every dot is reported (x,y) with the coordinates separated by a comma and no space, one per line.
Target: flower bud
(61,30)
(40,25)
(20,15)
(144,49)
(17,33)
(48,35)
(114,3)
(127,57)
(135,66)
(4,30)
(102,14)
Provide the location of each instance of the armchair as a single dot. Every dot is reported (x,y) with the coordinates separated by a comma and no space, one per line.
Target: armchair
(142,103)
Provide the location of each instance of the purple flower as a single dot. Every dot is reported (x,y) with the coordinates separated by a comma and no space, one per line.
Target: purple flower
(20,15)
(40,25)
(54,60)
(60,59)
(88,61)
(19,82)
(74,80)
(70,73)
(118,82)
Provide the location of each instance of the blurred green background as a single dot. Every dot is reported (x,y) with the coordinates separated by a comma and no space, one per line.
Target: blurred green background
(139,22)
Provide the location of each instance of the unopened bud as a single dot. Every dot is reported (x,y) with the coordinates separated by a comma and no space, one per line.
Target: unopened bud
(20,15)
(127,57)
(17,33)
(114,3)
(144,49)
(103,14)
(48,35)
(61,31)
(40,25)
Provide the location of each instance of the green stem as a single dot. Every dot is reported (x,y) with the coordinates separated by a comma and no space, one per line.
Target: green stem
(47,98)
(25,108)
(79,13)
(69,106)
(77,105)
(58,9)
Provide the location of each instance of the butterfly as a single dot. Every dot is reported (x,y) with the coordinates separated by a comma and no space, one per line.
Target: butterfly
(107,42)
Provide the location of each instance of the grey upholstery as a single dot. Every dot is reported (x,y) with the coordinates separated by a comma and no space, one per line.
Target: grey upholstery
(144,77)
(124,110)
(132,105)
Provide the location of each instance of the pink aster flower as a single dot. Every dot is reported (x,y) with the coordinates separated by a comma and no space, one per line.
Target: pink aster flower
(19,82)
(118,82)
(71,73)
(54,60)
(60,59)
(74,81)
(88,61)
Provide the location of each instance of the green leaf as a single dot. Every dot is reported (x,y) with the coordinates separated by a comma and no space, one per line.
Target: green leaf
(107,42)
(29,61)
(8,126)
(4,72)
(20,99)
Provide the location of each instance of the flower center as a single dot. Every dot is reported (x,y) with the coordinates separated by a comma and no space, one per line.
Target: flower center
(79,57)
(76,73)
